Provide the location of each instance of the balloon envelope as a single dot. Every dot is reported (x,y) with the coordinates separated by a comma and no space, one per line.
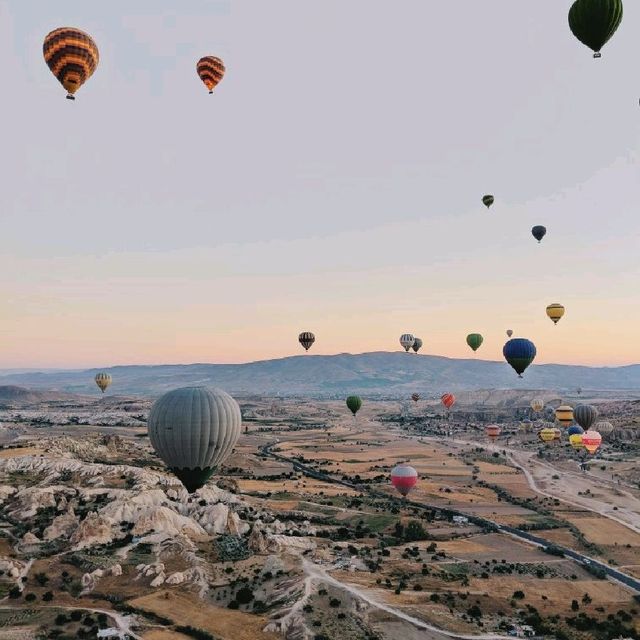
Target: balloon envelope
(417,344)
(591,440)
(555,311)
(448,400)
(354,403)
(564,415)
(594,22)
(509,333)
(492,431)
(603,428)
(306,339)
(474,340)
(539,232)
(404,478)
(210,70)
(193,430)
(519,353)
(575,440)
(537,404)
(585,415)
(72,56)
(415,397)
(407,340)
(488,200)
(575,430)
(103,380)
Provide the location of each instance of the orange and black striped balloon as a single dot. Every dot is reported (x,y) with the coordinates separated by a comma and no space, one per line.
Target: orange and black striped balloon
(211,71)
(72,56)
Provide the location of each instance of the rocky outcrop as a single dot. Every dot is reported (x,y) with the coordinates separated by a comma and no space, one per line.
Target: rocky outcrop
(168,522)
(94,529)
(62,526)
(30,539)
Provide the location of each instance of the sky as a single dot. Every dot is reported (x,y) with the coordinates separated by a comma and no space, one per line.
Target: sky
(332,183)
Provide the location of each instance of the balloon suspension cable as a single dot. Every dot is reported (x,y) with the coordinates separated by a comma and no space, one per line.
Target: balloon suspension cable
(70,96)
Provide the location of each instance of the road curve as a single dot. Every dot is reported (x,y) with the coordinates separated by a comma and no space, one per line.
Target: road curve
(613,574)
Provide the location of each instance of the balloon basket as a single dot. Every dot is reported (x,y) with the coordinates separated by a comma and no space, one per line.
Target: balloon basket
(597,55)
(70,97)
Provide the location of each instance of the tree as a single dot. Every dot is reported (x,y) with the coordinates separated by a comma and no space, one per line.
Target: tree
(574,605)
(586,599)
(244,595)
(48,596)
(518,595)
(30,597)
(42,578)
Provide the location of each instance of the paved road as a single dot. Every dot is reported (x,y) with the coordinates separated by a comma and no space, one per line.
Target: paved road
(614,574)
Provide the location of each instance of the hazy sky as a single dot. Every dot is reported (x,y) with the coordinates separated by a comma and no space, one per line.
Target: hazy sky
(331,184)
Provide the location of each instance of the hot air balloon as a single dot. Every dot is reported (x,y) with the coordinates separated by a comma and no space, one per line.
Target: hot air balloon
(193,430)
(404,478)
(492,431)
(72,56)
(555,311)
(417,344)
(354,403)
(407,340)
(547,434)
(415,397)
(103,380)
(585,415)
(557,434)
(488,200)
(539,232)
(594,22)
(509,333)
(575,430)
(579,390)
(603,428)
(591,441)
(211,71)
(564,415)
(306,339)
(575,440)
(519,353)
(474,340)
(537,404)
(448,400)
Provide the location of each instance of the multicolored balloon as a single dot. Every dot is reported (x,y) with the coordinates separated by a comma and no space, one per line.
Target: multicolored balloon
(210,70)
(475,340)
(564,415)
(594,22)
(72,56)
(519,353)
(103,380)
(404,478)
(555,311)
(591,440)
(537,404)
(492,431)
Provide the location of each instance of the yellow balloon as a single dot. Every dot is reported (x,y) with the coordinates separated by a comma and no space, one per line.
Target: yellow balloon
(555,311)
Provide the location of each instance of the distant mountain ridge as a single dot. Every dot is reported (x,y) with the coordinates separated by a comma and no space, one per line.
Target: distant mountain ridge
(377,374)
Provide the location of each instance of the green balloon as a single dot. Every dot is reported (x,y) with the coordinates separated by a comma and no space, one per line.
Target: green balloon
(354,403)
(474,340)
(594,22)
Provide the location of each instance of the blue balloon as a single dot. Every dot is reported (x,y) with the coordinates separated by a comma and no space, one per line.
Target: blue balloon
(519,353)
(575,430)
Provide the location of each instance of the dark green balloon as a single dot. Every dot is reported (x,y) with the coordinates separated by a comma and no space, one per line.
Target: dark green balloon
(594,22)
(354,403)
(474,340)
(488,200)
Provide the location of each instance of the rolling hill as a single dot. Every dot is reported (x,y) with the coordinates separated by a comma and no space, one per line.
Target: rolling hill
(379,374)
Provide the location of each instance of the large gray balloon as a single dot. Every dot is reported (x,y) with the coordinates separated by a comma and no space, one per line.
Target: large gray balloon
(585,415)
(193,430)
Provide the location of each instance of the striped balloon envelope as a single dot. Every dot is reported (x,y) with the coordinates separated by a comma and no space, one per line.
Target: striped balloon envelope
(404,477)
(448,400)
(585,415)
(306,339)
(555,311)
(547,434)
(210,70)
(407,341)
(103,380)
(591,440)
(564,415)
(537,404)
(415,397)
(72,56)
(492,431)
